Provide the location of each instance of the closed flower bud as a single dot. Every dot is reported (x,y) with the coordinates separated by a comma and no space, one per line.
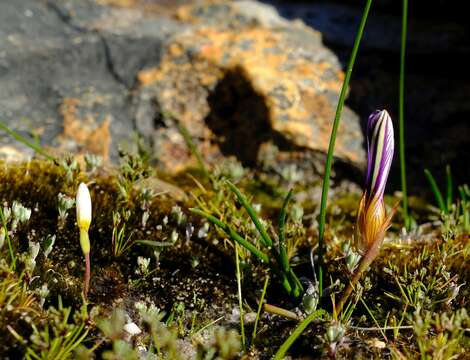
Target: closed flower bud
(83,203)
(372,220)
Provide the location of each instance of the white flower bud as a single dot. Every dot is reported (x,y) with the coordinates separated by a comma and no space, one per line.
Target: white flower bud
(83,202)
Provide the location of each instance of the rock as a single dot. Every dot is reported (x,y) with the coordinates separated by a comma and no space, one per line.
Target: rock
(86,74)
(240,79)
(66,75)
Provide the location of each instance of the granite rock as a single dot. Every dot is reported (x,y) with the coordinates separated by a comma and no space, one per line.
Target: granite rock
(240,79)
(83,76)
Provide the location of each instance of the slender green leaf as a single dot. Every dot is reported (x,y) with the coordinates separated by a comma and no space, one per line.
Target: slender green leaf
(194,150)
(401,114)
(233,235)
(260,306)
(240,297)
(331,146)
(296,333)
(450,188)
(282,234)
(20,138)
(435,189)
(252,213)
(297,288)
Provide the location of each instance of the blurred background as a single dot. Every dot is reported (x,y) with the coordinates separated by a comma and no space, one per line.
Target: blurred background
(257,80)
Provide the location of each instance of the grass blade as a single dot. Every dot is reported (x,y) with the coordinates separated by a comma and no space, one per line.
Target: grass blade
(296,333)
(233,235)
(450,188)
(260,306)
(331,146)
(435,189)
(465,212)
(190,144)
(282,234)
(252,213)
(240,298)
(401,114)
(24,141)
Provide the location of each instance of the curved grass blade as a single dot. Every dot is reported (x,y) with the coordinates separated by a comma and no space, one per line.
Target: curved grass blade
(254,217)
(296,333)
(233,235)
(24,141)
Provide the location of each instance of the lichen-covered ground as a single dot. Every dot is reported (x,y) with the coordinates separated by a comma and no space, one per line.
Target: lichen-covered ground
(164,281)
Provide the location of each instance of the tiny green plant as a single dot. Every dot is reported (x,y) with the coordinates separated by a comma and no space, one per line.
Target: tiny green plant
(276,256)
(11,218)
(83,203)
(4,236)
(120,240)
(58,339)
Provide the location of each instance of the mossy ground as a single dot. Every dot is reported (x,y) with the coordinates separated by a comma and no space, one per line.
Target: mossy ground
(418,286)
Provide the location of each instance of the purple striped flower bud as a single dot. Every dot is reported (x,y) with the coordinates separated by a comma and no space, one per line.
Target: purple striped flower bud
(372,220)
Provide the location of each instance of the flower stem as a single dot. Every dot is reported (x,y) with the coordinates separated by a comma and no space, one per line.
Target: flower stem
(86,280)
(331,146)
(363,266)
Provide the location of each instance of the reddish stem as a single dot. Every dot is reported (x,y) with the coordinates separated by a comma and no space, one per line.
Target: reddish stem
(370,255)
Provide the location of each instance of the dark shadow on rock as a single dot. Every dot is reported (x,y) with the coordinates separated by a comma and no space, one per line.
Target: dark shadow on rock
(239,117)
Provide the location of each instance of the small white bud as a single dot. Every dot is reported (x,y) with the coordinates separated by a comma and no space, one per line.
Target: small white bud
(83,202)
(2,237)
(132,329)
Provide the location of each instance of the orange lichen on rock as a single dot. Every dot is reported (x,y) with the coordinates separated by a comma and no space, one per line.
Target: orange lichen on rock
(294,87)
(84,133)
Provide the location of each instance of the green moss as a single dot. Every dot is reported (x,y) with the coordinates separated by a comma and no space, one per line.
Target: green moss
(191,274)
